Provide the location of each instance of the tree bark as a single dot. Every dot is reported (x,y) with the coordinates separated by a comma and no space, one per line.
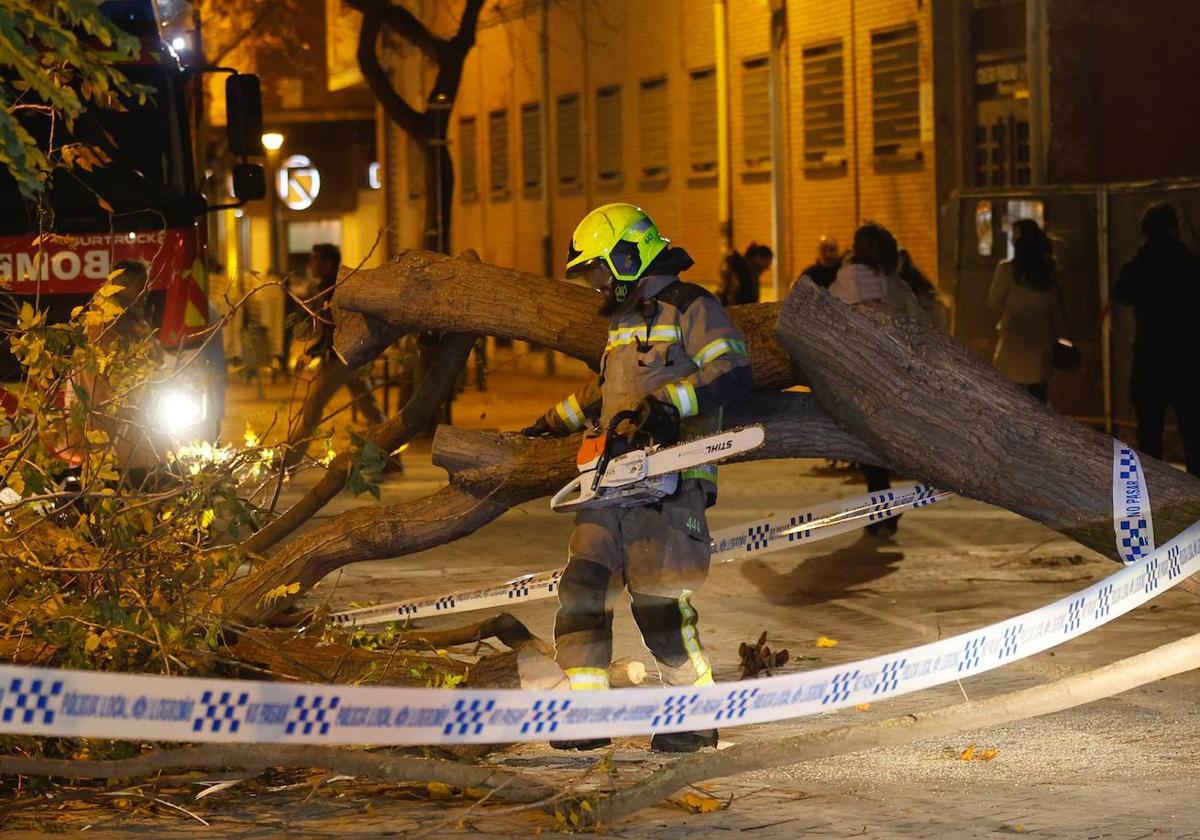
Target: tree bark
(422,290)
(431,393)
(259,757)
(426,128)
(935,411)
(491,472)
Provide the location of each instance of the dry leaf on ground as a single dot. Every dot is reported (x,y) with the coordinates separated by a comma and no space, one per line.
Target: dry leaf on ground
(698,804)
(826,642)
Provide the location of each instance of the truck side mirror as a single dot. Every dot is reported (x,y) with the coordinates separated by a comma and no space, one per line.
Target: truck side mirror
(244,114)
(249,182)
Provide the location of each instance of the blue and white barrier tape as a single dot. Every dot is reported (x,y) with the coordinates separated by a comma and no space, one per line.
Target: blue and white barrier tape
(750,539)
(1132,522)
(44,701)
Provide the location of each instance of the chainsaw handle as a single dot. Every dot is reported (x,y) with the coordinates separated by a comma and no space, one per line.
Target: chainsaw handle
(574,487)
(609,439)
(620,417)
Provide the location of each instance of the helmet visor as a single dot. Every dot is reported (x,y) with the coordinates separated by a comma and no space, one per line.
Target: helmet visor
(584,268)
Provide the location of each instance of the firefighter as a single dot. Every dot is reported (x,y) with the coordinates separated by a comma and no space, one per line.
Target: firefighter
(674,357)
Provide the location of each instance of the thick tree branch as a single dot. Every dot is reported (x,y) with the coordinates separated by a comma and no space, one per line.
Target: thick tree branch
(403,22)
(424,290)
(489,473)
(259,757)
(1123,675)
(936,411)
(452,55)
(414,123)
(431,393)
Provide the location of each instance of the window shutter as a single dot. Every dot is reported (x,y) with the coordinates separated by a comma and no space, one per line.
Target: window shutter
(498,151)
(654,126)
(608,133)
(568,140)
(824,103)
(531,145)
(756,113)
(702,121)
(895,89)
(468,164)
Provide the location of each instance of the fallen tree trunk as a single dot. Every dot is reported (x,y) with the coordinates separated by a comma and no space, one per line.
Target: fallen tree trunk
(489,473)
(431,393)
(937,412)
(1123,675)
(423,290)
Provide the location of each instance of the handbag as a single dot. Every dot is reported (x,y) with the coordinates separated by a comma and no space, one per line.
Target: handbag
(1066,354)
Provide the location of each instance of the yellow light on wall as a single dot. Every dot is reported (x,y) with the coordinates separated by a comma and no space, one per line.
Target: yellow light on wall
(272,141)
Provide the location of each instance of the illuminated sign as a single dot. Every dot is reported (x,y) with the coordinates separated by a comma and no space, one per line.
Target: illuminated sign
(299,182)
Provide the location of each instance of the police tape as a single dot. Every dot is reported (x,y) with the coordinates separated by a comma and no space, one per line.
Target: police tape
(1132,521)
(738,542)
(43,701)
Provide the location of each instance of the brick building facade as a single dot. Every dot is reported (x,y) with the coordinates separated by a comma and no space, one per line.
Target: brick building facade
(628,94)
(881,109)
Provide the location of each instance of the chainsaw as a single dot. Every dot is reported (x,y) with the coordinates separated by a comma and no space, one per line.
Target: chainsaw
(613,473)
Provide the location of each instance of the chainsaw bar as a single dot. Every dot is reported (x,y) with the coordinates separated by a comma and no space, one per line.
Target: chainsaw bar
(710,449)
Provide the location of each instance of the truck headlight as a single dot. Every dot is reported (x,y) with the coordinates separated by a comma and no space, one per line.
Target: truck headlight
(179,408)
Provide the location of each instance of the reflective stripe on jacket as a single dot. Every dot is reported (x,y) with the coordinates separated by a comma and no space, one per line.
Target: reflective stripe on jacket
(673,341)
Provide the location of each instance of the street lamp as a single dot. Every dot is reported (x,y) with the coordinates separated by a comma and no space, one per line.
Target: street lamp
(273,141)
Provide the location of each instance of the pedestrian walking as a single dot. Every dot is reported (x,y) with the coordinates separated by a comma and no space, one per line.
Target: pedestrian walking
(741,275)
(674,356)
(332,373)
(829,259)
(1025,293)
(869,277)
(1162,284)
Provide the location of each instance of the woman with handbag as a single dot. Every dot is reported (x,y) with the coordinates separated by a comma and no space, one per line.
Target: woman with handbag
(1025,293)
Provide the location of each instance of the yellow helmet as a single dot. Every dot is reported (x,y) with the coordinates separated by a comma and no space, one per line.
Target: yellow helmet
(623,236)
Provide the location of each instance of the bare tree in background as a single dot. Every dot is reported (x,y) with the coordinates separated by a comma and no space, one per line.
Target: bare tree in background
(427,127)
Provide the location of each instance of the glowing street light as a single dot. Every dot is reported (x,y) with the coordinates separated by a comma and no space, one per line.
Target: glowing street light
(272,141)
(179,43)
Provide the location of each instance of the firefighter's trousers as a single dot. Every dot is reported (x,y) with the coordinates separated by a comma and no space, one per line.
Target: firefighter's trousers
(661,554)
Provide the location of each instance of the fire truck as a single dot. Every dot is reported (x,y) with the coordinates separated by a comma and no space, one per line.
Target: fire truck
(146,204)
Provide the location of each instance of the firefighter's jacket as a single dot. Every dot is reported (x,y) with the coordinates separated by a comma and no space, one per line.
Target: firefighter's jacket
(673,341)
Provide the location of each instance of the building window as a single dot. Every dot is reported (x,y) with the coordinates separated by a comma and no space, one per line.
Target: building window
(756,113)
(498,152)
(468,162)
(531,145)
(608,133)
(895,90)
(416,168)
(654,128)
(824,104)
(702,121)
(569,158)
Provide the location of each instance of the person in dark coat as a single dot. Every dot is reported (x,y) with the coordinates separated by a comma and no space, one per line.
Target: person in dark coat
(829,259)
(1162,284)
(740,275)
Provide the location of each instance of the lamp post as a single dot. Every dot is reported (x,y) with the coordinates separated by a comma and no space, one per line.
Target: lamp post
(273,141)
(439,107)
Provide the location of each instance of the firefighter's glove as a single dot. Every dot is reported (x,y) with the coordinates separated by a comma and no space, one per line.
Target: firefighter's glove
(658,420)
(540,428)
